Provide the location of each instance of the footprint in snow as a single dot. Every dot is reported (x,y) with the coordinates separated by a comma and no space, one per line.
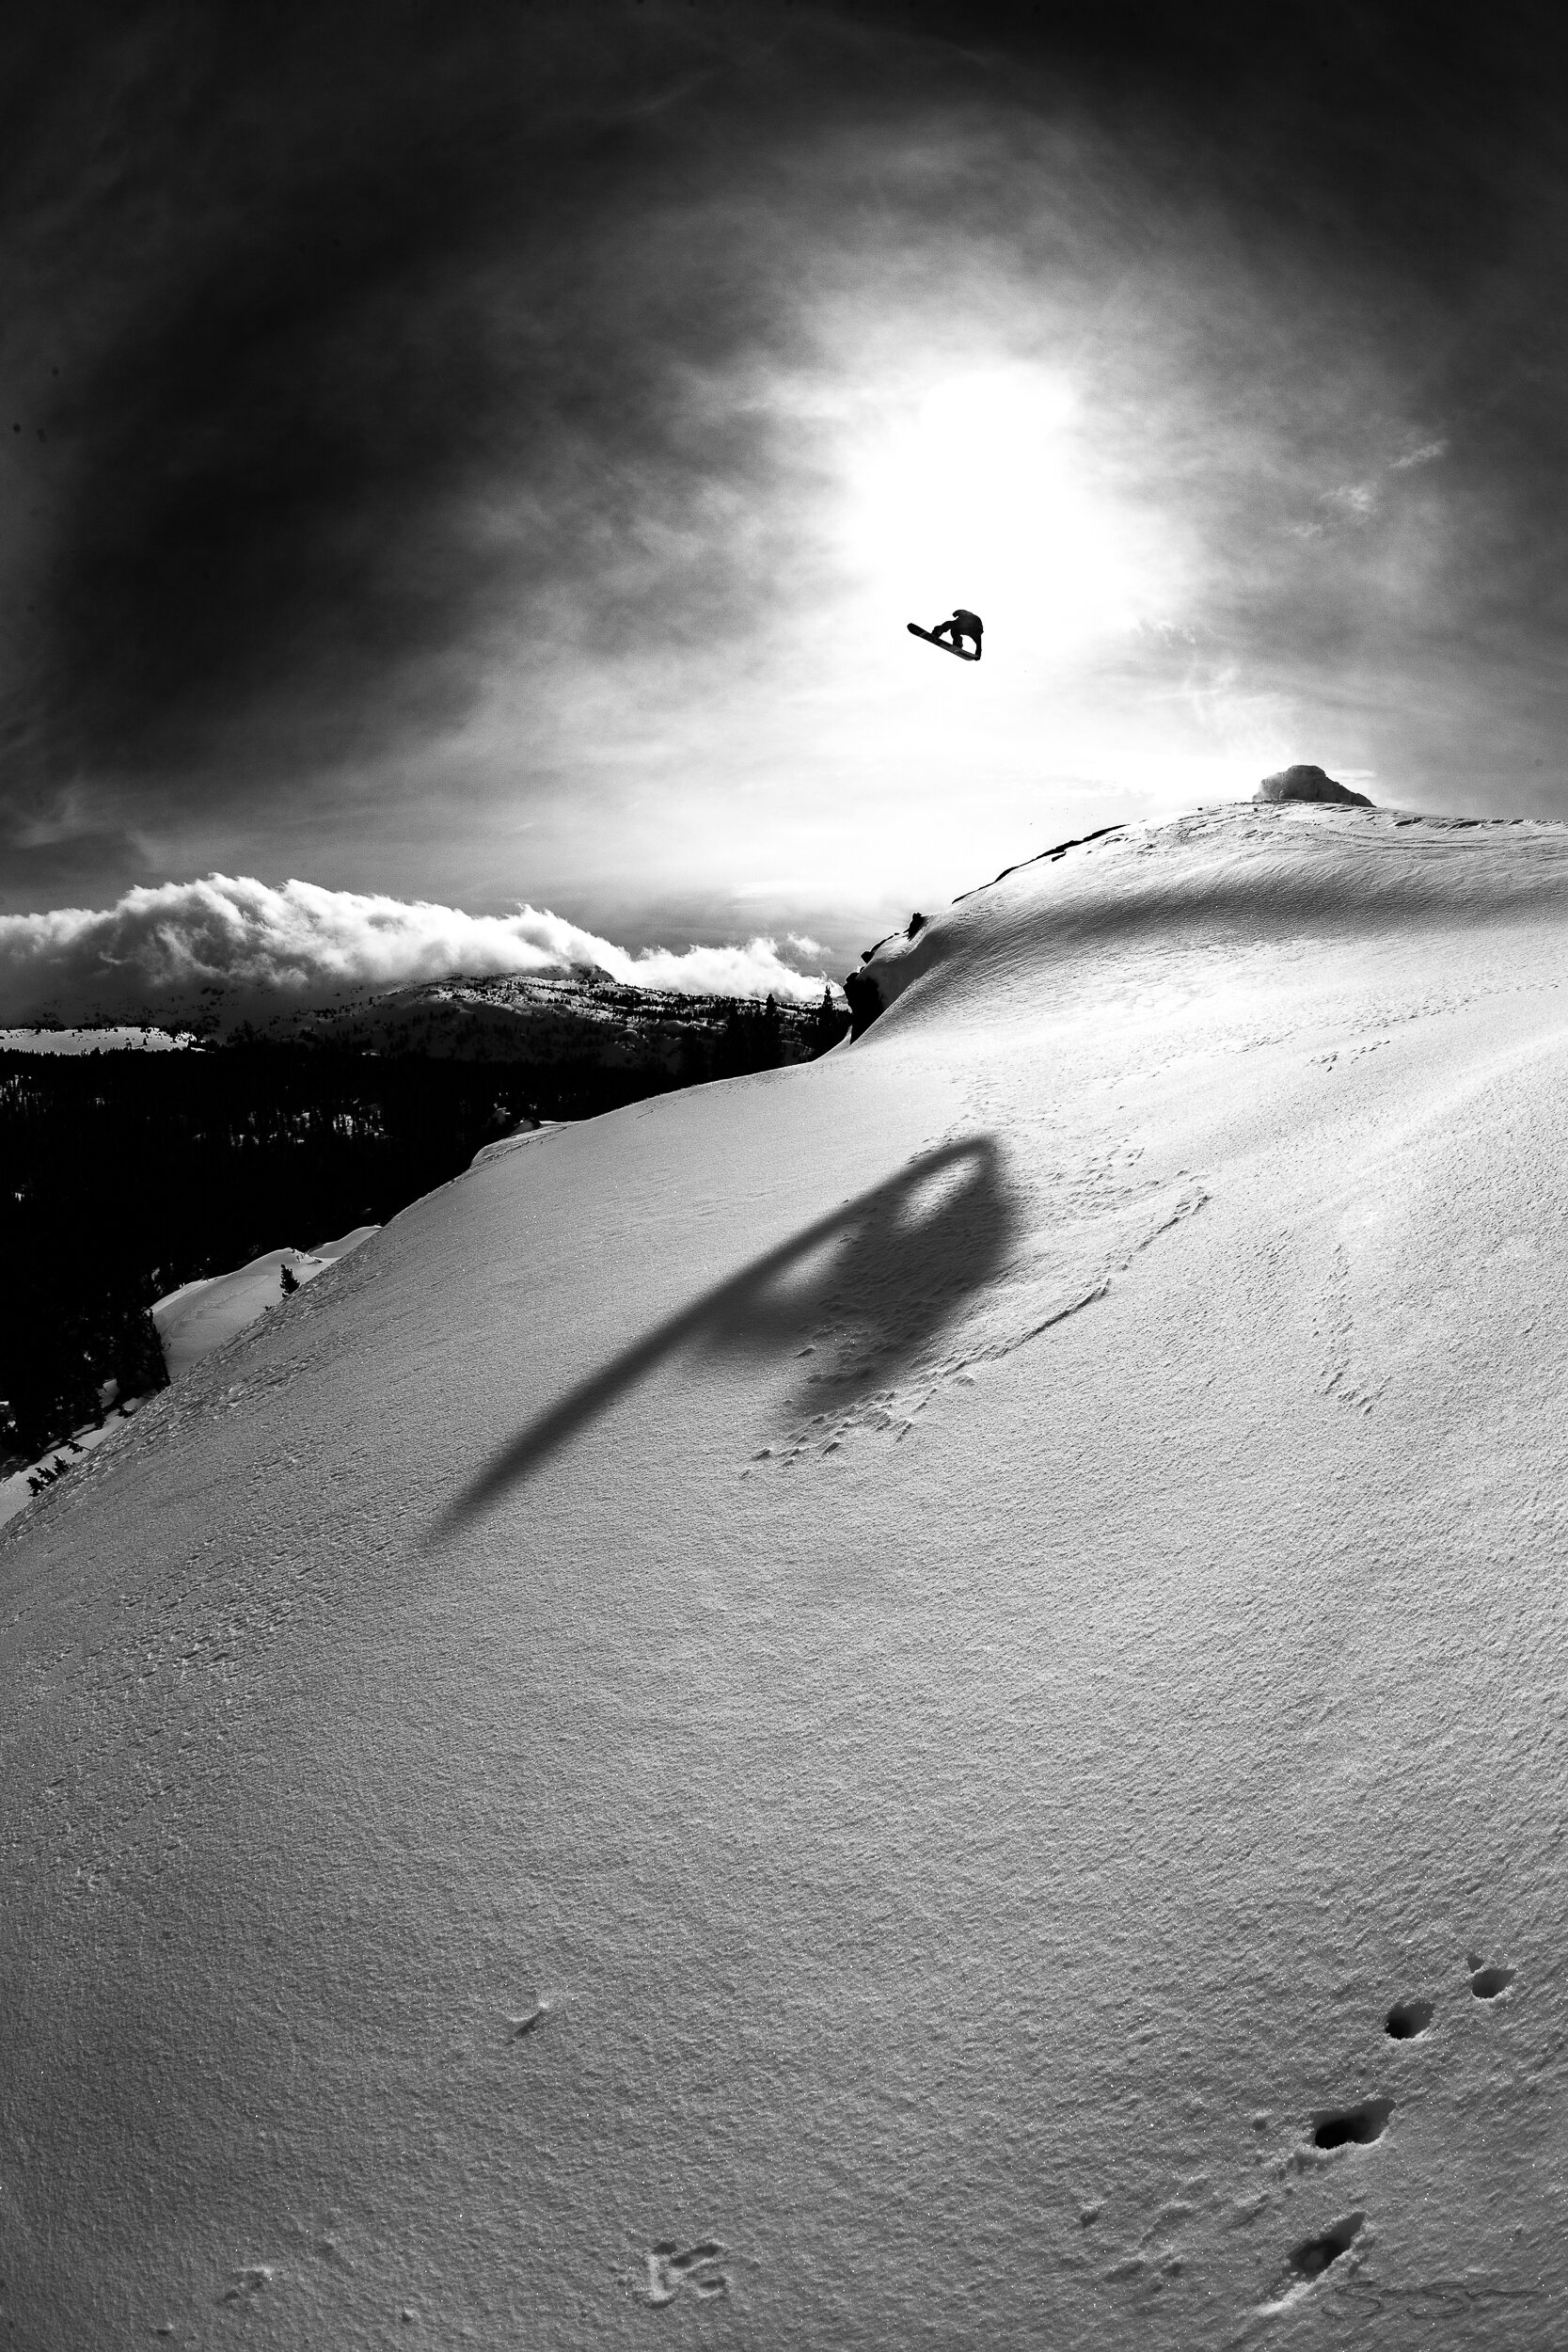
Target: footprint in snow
(1408,2019)
(1308,2260)
(1360,2126)
(696,2269)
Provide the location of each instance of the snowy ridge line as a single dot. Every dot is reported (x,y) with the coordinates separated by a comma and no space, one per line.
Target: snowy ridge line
(917,922)
(516,1141)
(1040,859)
(1254,864)
(1289,870)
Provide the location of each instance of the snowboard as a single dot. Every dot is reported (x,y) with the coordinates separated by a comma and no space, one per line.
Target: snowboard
(940,642)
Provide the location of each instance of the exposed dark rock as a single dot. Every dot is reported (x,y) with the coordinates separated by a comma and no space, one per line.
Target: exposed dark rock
(1308,784)
(1060,850)
(865,998)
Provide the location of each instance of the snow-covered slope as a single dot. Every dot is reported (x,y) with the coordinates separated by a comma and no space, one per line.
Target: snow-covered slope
(19,1487)
(107,1038)
(200,1317)
(837,1709)
(191,1322)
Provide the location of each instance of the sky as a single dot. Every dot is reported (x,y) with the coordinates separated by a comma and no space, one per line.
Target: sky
(484,458)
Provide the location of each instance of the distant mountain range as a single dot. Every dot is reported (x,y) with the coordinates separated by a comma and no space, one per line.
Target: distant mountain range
(578,1018)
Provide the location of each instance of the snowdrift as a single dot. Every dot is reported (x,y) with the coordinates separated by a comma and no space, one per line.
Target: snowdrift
(912,1702)
(200,1317)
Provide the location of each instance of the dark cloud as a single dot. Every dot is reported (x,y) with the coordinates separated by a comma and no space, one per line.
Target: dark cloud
(317,298)
(360,353)
(59,850)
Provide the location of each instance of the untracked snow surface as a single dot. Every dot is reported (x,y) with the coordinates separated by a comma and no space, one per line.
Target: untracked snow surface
(200,1317)
(915,1702)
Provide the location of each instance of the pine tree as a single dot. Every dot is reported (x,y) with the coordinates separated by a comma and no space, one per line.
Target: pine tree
(828,1024)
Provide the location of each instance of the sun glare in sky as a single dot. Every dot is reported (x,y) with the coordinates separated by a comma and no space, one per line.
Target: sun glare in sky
(824,753)
(982,492)
(546,527)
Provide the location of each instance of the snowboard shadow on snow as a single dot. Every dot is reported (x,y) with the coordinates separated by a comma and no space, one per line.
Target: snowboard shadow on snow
(894,1264)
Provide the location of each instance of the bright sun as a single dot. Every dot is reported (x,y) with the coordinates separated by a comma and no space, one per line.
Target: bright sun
(983,492)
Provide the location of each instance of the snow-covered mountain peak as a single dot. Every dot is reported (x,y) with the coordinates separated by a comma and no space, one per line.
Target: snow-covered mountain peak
(1216,878)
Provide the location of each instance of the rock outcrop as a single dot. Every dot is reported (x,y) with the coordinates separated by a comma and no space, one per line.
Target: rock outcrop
(1308,784)
(863,998)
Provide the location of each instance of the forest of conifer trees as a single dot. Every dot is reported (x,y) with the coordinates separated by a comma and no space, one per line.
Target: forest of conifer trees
(130,1173)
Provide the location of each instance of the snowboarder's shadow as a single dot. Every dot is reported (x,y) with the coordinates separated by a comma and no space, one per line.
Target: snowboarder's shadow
(890,1267)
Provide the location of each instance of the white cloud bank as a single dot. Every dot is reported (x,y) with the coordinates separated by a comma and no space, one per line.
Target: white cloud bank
(160,948)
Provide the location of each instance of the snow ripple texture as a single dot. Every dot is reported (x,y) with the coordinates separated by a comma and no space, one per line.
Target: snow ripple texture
(915,1701)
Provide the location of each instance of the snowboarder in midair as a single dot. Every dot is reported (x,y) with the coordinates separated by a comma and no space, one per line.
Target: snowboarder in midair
(962,625)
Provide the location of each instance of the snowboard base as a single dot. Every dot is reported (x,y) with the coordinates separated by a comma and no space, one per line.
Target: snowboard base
(940,642)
